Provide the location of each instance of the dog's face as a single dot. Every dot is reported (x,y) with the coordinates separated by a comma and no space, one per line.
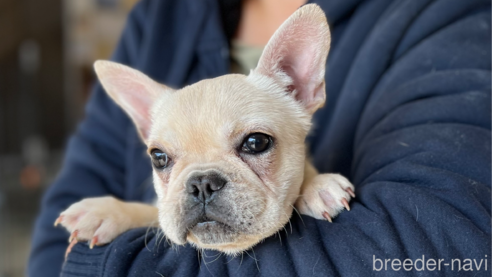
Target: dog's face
(228,153)
(235,159)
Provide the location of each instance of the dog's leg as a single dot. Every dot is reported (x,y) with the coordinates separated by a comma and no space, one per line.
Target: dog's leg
(323,196)
(101,219)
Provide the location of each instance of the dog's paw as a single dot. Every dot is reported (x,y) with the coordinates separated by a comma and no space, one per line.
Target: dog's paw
(325,196)
(96,220)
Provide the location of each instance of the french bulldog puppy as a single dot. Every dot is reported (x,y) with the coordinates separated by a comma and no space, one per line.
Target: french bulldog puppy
(228,154)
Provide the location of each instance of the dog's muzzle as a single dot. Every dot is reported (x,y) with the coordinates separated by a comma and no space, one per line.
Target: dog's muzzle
(204,207)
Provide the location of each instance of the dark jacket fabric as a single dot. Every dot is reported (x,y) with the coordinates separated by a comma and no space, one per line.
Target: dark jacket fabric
(407,120)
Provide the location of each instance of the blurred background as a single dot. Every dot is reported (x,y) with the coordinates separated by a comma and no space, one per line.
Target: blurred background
(46,53)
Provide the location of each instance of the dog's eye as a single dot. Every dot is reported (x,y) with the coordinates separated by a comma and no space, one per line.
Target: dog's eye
(256,143)
(159,159)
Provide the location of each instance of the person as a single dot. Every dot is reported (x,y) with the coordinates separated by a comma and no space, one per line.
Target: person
(407,120)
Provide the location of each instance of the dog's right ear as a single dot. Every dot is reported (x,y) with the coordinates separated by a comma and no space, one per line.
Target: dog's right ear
(295,56)
(131,90)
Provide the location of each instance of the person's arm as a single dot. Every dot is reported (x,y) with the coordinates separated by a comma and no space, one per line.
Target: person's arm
(421,167)
(92,166)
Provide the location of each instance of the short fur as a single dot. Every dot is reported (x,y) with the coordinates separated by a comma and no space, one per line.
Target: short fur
(201,128)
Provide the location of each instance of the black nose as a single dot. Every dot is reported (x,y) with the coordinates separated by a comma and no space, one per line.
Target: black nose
(203,186)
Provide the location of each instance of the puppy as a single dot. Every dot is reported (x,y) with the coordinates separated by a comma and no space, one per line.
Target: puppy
(228,154)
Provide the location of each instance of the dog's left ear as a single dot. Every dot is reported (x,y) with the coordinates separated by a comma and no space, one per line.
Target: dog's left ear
(295,56)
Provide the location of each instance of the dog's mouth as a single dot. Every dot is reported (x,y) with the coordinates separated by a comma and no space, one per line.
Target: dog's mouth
(207,225)
(208,228)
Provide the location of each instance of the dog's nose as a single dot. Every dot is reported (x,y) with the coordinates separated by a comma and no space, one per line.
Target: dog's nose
(204,186)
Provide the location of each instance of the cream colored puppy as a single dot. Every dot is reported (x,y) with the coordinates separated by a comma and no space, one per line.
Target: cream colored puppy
(228,154)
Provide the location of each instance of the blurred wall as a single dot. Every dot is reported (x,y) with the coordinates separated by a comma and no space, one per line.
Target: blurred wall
(31,59)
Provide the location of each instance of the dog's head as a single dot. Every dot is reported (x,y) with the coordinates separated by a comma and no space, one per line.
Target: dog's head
(229,153)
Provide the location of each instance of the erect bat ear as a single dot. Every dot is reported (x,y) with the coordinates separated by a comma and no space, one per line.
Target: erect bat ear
(295,56)
(132,90)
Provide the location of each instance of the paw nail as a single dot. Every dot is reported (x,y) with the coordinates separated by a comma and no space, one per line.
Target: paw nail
(351,192)
(327,216)
(69,248)
(58,220)
(73,236)
(93,242)
(345,203)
